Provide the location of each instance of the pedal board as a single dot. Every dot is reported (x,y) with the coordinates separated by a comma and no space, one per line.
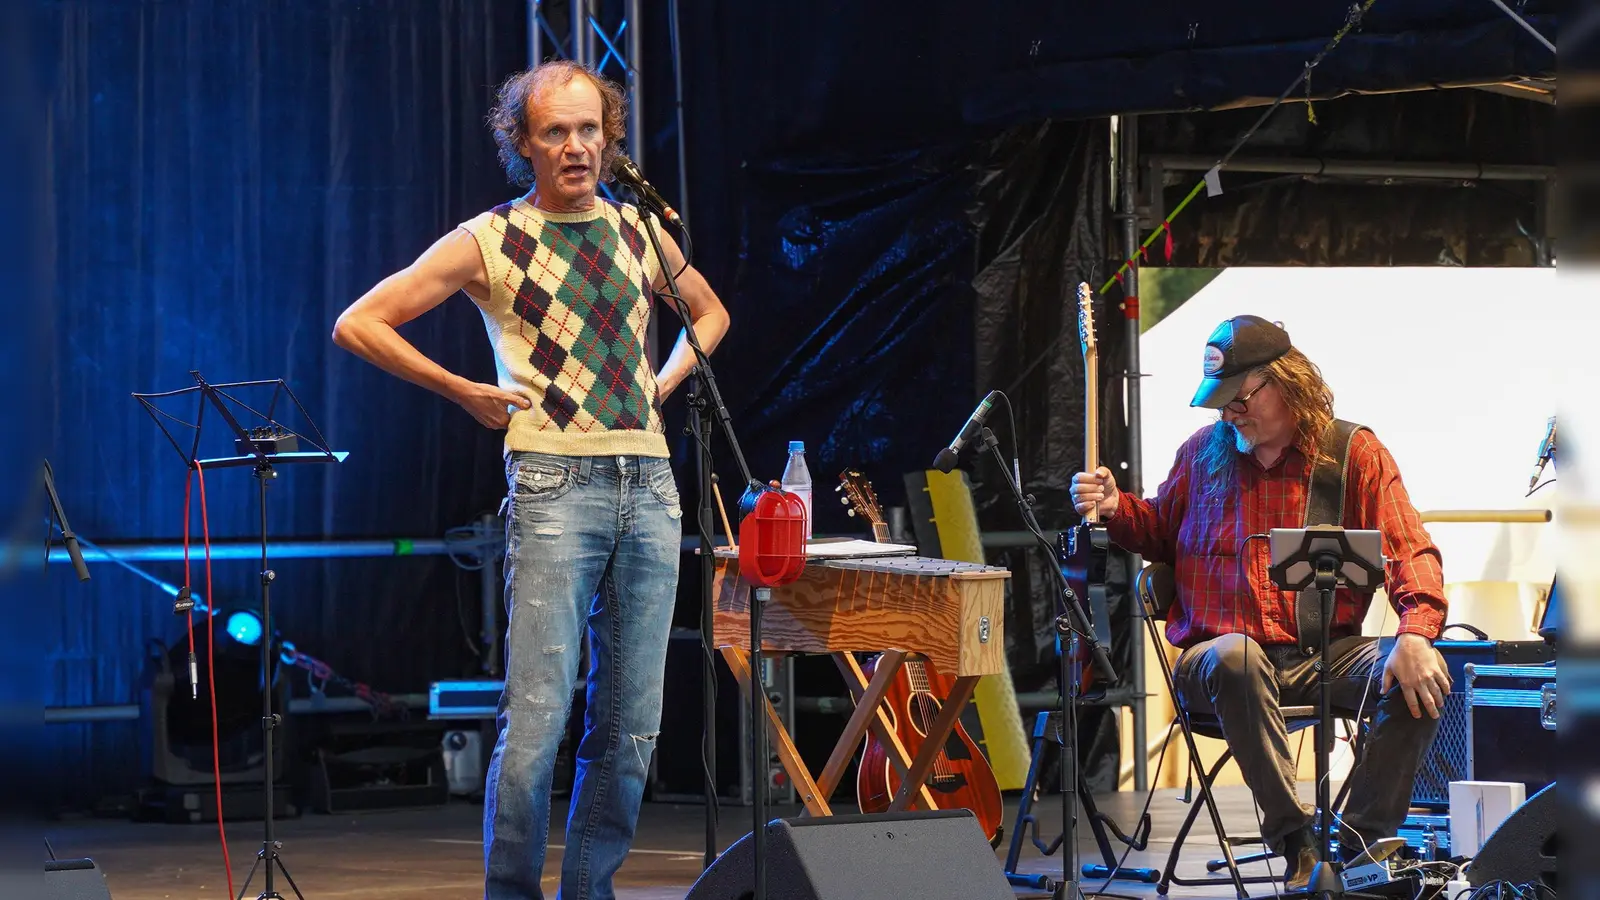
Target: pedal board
(1376,878)
(1379,880)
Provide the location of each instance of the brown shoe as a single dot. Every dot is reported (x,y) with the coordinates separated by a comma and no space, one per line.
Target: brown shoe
(1300,852)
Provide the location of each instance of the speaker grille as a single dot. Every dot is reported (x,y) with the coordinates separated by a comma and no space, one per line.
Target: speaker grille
(1446,760)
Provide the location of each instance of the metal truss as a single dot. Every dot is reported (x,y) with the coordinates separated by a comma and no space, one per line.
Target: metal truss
(580,30)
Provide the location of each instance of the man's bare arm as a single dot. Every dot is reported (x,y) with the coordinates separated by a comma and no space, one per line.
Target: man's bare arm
(368,328)
(706,311)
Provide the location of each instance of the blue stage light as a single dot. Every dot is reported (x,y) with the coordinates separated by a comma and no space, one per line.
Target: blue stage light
(244,627)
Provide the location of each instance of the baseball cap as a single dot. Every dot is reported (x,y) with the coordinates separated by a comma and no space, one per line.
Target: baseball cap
(1236,346)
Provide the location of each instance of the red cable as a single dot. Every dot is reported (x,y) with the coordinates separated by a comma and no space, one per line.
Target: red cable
(211,677)
(188,485)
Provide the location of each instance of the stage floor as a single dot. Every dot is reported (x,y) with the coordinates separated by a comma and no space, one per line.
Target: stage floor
(437,853)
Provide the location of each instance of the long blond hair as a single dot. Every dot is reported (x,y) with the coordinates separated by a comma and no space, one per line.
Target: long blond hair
(1309,400)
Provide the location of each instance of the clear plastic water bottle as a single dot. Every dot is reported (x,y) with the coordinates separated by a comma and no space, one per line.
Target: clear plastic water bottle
(797,478)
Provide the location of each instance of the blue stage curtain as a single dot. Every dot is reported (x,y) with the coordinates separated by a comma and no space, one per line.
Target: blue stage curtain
(224,179)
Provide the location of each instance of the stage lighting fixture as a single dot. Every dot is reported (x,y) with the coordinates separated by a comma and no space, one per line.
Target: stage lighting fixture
(177,740)
(245,627)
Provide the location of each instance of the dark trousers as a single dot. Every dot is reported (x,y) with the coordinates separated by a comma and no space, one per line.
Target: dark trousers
(1245,684)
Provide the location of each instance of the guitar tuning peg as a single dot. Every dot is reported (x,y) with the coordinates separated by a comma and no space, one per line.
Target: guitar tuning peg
(851,513)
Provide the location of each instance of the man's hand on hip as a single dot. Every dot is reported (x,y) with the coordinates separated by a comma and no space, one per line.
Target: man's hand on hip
(1420,671)
(1100,488)
(489,404)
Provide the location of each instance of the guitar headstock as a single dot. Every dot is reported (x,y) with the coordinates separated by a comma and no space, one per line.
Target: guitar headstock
(863,501)
(1086,320)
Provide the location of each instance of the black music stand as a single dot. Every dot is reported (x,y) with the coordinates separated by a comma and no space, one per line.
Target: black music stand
(261,447)
(1325,557)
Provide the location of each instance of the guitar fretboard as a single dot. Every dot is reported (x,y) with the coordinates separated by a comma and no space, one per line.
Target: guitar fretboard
(918,676)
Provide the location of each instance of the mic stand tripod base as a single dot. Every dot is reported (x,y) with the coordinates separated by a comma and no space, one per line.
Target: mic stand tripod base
(1066,651)
(1325,881)
(269,855)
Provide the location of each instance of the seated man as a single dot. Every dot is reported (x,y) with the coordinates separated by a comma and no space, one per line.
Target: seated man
(1243,653)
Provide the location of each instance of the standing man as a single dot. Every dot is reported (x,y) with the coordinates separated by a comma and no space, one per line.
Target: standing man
(1243,653)
(564,281)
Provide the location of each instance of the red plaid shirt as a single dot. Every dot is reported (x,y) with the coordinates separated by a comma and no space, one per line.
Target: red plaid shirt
(1219,593)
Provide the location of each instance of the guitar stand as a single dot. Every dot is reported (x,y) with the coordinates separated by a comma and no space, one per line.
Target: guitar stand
(1046,727)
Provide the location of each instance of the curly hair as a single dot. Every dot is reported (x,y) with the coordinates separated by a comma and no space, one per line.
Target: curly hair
(509,115)
(1309,400)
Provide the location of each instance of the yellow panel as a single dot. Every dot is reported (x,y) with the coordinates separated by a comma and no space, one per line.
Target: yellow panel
(1005,741)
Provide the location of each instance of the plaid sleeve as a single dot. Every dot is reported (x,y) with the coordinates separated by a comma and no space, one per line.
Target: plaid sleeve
(1415,579)
(1150,527)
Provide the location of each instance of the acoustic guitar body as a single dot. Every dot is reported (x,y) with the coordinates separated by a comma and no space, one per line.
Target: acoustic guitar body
(961,777)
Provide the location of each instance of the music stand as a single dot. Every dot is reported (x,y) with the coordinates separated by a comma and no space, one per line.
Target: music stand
(261,447)
(1325,557)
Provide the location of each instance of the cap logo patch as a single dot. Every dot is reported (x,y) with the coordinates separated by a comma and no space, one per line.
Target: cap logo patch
(1213,360)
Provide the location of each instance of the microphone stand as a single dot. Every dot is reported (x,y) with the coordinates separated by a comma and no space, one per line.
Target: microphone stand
(67,537)
(707,403)
(1071,625)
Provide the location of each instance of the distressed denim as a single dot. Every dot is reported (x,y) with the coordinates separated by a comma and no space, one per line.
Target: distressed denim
(592,549)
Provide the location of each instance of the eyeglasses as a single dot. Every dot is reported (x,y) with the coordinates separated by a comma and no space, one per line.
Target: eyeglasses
(1238,404)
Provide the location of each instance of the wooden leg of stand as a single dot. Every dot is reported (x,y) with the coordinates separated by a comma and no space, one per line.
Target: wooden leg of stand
(816,802)
(867,705)
(882,728)
(943,724)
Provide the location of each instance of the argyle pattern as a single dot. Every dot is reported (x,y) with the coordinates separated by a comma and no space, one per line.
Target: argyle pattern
(568,311)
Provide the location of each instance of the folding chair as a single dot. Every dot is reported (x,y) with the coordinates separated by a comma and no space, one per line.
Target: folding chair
(1156,590)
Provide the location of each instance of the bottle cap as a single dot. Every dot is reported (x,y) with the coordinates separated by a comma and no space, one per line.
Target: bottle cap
(797,446)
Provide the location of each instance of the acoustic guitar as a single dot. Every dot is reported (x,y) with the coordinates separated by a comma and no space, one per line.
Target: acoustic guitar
(961,776)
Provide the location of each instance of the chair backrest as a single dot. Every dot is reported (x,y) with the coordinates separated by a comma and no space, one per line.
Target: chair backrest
(1156,589)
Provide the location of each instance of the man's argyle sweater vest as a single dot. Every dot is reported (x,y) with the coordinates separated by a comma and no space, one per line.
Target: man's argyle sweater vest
(569,302)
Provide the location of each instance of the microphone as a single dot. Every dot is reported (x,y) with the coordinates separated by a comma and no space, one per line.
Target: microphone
(946,460)
(628,173)
(1547,452)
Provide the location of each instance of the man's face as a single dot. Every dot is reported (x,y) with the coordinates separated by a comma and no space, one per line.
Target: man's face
(564,142)
(1265,419)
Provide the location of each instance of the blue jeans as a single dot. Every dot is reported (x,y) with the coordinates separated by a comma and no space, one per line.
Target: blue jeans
(592,549)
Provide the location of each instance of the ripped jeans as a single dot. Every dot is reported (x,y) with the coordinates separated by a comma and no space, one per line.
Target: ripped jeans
(592,549)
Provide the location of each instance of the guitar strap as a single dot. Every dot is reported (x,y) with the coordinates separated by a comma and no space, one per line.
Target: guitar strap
(1325,506)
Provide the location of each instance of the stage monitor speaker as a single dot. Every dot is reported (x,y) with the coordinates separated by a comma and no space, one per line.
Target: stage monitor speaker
(939,855)
(1523,849)
(74,879)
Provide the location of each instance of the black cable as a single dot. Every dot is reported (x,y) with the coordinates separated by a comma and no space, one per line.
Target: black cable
(461,616)
(1254,729)
(1050,553)
(688,251)
(1144,816)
